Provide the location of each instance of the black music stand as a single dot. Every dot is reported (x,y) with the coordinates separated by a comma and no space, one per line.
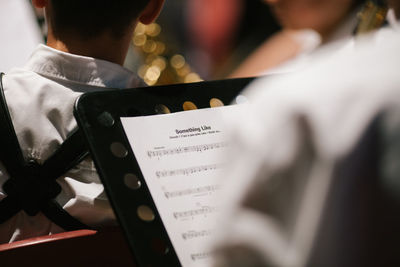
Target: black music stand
(98,115)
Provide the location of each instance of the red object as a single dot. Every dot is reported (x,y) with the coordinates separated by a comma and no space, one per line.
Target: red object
(75,248)
(212,24)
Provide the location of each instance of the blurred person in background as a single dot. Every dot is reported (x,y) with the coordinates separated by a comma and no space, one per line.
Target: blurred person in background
(221,33)
(195,40)
(212,25)
(314,173)
(307,25)
(87,43)
(20,33)
(216,35)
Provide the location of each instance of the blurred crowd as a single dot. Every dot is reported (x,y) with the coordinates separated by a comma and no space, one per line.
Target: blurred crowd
(196,40)
(212,36)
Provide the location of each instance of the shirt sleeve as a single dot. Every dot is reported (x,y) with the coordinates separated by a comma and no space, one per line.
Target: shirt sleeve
(271,217)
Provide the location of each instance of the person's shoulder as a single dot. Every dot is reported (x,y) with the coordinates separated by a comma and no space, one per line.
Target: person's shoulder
(334,96)
(21,84)
(17,72)
(17,76)
(370,61)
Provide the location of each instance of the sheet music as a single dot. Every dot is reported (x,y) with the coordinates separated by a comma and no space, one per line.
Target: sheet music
(180,157)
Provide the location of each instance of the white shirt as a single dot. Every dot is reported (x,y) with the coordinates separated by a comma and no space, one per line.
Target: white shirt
(41,97)
(295,130)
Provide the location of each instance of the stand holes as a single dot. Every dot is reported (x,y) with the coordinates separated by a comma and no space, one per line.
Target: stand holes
(145,213)
(188,105)
(118,150)
(132,181)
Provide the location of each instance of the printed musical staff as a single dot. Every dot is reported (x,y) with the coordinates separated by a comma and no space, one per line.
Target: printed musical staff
(189,171)
(184,174)
(191,191)
(196,234)
(200,256)
(187,149)
(195,212)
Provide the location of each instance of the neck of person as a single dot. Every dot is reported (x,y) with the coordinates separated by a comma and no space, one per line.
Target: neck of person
(105,46)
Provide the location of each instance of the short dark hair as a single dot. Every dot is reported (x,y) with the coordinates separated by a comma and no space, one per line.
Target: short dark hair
(89,18)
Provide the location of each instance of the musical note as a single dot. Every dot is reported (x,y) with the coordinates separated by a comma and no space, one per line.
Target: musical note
(189,171)
(187,149)
(190,213)
(191,191)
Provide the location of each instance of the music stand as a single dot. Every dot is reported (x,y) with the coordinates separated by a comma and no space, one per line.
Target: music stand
(98,115)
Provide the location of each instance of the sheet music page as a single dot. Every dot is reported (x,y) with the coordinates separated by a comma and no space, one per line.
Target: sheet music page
(180,157)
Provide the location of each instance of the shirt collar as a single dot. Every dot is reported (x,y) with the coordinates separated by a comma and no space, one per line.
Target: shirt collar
(56,64)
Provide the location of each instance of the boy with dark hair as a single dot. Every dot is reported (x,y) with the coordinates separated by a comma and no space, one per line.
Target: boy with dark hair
(87,44)
(91,17)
